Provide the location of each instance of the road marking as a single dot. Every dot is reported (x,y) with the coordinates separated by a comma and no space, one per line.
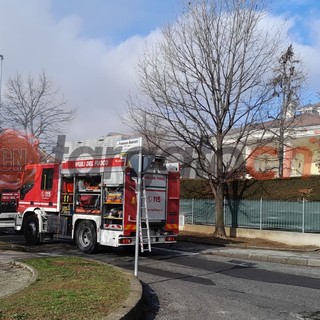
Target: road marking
(242,263)
(178,252)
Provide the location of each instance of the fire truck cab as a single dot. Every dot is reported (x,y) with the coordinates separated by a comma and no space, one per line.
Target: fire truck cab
(92,198)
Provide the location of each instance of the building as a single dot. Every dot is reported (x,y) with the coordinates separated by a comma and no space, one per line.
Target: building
(301,145)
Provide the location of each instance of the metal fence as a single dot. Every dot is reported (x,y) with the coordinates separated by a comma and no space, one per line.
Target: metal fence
(302,216)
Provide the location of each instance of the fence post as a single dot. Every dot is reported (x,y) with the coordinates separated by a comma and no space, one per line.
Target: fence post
(192,208)
(303,213)
(260,213)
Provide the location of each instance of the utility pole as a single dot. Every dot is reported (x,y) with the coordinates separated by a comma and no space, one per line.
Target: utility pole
(138,215)
(1,61)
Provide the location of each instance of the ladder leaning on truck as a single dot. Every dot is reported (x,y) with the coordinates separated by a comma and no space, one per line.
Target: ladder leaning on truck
(92,198)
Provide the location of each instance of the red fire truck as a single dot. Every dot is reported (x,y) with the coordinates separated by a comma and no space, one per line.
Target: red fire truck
(91,197)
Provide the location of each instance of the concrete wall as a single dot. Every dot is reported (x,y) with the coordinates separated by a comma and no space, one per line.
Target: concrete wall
(291,238)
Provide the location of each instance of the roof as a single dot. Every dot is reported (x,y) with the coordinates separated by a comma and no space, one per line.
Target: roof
(306,120)
(299,120)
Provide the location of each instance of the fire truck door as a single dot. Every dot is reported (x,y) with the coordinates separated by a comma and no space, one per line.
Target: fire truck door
(48,187)
(155,196)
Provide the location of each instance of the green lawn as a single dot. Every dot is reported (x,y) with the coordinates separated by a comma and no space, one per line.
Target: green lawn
(67,288)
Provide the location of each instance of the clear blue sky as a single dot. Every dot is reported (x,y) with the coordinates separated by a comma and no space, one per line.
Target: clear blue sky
(90,48)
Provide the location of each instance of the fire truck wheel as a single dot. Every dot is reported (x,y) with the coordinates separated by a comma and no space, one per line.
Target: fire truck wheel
(86,237)
(31,230)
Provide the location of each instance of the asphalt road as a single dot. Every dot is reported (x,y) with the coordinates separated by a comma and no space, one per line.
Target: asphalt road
(200,287)
(183,283)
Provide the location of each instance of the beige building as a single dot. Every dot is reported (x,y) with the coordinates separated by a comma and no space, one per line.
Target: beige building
(301,148)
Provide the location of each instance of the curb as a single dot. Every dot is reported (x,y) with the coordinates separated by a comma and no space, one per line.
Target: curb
(308,262)
(131,308)
(11,246)
(31,269)
(235,246)
(34,276)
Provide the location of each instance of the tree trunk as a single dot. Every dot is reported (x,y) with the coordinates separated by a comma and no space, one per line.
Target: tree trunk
(219,188)
(219,200)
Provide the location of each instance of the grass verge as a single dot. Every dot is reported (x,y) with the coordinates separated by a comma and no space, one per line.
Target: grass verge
(67,288)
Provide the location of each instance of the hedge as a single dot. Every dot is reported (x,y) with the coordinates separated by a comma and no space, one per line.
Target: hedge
(290,189)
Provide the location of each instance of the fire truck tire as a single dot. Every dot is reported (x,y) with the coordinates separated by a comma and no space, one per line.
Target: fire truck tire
(31,230)
(86,237)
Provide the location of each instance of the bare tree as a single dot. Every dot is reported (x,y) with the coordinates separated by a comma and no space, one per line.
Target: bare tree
(288,81)
(144,125)
(34,106)
(205,83)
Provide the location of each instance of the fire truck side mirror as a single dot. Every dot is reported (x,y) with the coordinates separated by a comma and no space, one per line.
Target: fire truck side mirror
(133,174)
(133,160)
(25,189)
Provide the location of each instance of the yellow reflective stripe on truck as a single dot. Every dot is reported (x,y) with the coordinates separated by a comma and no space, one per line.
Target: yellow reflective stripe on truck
(171,226)
(130,227)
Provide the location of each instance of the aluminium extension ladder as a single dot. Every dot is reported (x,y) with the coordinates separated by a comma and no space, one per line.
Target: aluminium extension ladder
(144,224)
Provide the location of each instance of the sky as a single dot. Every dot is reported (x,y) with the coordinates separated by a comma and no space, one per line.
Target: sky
(90,49)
